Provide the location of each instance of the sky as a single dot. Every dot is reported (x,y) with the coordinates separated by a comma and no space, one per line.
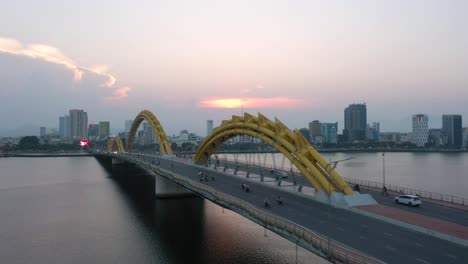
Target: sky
(189,61)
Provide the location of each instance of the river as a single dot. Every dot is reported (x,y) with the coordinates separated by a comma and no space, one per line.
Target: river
(74,210)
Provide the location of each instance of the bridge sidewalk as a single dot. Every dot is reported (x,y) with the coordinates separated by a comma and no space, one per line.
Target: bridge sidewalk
(427,200)
(431,223)
(415,219)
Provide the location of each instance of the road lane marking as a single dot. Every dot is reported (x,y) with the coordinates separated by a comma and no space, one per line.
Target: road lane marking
(365,226)
(423,261)
(418,245)
(388,234)
(362,237)
(341,229)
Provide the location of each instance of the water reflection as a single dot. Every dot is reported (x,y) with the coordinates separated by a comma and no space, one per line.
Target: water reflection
(193,230)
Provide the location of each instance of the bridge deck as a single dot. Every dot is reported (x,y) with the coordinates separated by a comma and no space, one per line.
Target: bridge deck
(446,211)
(388,242)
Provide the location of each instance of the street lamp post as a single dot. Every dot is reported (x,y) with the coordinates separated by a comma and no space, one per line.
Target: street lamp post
(383,169)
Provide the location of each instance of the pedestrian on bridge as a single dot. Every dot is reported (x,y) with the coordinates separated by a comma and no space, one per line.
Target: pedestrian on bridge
(356,188)
(384,191)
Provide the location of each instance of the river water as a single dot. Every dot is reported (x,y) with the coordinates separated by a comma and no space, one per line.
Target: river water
(444,173)
(74,210)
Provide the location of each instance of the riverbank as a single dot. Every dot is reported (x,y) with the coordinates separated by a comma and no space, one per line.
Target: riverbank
(45,155)
(337,150)
(393,150)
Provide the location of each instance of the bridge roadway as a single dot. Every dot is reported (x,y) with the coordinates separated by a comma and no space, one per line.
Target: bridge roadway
(437,211)
(387,242)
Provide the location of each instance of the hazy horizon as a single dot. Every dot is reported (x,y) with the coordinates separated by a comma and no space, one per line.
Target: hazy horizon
(191,61)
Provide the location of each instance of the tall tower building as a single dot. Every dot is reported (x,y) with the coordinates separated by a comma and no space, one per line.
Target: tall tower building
(78,123)
(209,127)
(64,126)
(148,136)
(465,137)
(355,117)
(93,131)
(452,129)
(420,130)
(42,132)
(330,132)
(104,129)
(314,130)
(128,125)
(373,132)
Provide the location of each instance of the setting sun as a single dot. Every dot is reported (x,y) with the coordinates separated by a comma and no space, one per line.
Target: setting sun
(275,102)
(225,103)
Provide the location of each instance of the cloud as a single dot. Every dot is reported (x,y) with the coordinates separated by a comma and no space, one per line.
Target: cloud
(274,102)
(53,55)
(120,93)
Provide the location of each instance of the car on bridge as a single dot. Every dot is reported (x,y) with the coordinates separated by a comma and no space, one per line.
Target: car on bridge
(412,200)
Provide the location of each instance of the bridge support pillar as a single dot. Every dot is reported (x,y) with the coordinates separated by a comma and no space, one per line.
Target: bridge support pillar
(341,200)
(165,188)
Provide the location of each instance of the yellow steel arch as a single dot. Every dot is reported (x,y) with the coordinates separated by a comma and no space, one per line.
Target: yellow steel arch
(164,146)
(291,144)
(115,141)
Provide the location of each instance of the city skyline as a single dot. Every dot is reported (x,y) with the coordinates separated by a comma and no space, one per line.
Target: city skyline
(115,129)
(298,61)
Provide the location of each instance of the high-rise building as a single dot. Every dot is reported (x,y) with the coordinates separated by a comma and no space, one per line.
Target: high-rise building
(148,136)
(373,132)
(93,131)
(452,129)
(128,125)
(78,123)
(465,137)
(355,117)
(209,127)
(420,134)
(104,129)
(305,132)
(435,137)
(314,130)
(329,132)
(42,132)
(64,126)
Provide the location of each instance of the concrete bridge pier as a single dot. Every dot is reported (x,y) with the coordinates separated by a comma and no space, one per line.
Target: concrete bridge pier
(164,188)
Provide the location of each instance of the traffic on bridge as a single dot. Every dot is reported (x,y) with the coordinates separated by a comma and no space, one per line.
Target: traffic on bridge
(315,208)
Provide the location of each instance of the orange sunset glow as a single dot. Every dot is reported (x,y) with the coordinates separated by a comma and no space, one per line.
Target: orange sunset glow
(275,102)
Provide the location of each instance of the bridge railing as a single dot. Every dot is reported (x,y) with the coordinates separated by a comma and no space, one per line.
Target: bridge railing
(405,190)
(377,186)
(333,249)
(330,248)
